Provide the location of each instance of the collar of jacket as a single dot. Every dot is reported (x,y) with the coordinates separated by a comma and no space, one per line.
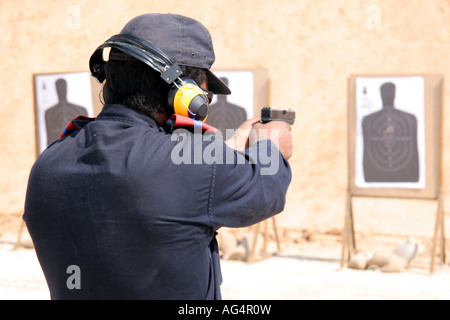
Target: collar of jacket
(122,113)
(111,112)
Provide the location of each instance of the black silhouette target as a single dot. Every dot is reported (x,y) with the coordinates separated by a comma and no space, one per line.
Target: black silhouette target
(390,143)
(224,115)
(59,115)
(59,98)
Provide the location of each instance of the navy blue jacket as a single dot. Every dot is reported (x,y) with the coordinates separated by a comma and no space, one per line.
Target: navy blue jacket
(111,200)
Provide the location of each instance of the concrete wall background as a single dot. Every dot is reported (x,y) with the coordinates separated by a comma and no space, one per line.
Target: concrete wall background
(308,47)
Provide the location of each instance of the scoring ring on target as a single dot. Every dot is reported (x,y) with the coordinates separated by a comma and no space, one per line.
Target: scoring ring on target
(390,142)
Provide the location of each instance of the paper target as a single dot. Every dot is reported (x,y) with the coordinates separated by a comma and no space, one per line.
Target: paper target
(60,97)
(390,139)
(228,112)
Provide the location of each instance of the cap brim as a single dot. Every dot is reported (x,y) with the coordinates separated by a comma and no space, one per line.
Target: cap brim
(216,86)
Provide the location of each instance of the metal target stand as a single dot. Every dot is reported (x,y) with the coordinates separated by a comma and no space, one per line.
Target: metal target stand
(433,145)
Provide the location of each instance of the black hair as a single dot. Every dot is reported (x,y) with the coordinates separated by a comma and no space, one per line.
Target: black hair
(132,83)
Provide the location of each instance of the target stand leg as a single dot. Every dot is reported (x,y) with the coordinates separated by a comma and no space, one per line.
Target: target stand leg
(252,257)
(348,233)
(439,234)
(19,236)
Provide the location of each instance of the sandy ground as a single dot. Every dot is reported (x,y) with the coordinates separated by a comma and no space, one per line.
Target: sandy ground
(307,267)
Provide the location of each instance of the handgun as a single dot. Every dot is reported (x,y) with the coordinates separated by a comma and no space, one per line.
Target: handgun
(268,114)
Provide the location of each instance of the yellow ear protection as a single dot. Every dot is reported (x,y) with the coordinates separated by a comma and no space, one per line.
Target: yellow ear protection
(185,98)
(188,100)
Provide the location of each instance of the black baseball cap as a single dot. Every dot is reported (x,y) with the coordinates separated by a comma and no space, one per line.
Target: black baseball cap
(182,39)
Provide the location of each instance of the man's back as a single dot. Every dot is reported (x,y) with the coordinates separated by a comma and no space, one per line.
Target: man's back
(110,201)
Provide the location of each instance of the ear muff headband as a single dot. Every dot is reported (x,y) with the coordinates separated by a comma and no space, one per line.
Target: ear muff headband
(185,97)
(135,47)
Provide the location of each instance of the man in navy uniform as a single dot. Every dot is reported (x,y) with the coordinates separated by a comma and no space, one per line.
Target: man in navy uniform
(108,206)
